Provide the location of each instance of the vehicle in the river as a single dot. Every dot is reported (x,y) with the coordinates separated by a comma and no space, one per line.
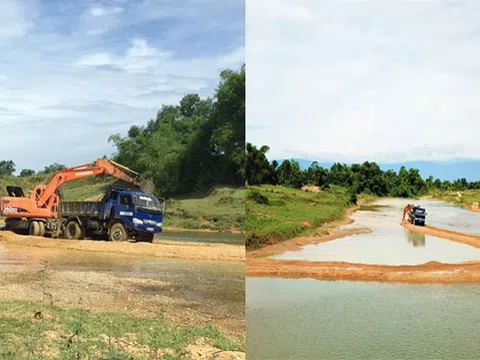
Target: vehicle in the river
(416,215)
(122,214)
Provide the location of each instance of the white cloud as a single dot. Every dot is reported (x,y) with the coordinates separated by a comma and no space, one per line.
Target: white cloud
(15,19)
(101,11)
(55,82)
(388,81)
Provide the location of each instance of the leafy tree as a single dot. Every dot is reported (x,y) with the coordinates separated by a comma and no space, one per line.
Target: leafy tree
(257,169)
(27,172)
(193,146)
(7,168)
(53,168)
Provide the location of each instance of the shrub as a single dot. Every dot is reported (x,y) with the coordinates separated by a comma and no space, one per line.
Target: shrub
(257,197)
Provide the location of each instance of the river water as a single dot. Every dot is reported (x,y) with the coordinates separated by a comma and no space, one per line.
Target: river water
(310,319)
(390,243)
(290,319)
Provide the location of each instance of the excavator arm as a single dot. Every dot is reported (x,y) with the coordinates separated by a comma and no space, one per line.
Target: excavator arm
(44,194)
(406,209)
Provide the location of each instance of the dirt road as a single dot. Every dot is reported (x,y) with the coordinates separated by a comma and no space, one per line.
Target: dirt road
(466,238)
(159,248)
(425,273)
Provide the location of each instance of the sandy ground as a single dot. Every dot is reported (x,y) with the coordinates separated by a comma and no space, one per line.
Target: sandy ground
(187,300)
(333,270)
(159,248)
(102,291)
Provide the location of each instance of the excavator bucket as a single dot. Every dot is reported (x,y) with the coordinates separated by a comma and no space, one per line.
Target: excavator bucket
(15,191)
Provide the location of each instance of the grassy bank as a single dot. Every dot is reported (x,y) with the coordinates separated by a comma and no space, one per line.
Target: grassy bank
(58,333)
(275,213)
(222,209)
(467,198)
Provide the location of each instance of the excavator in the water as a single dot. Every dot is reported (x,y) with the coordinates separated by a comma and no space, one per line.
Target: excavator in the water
(416,214)
(121,214)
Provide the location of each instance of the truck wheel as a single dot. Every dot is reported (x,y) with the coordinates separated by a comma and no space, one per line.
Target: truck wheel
(72,231)
(118,232)
(144,238)
(34,228)
(41,231)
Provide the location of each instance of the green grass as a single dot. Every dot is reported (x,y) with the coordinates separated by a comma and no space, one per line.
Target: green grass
(223,209)
(289,213)
(467,198)
(98,335)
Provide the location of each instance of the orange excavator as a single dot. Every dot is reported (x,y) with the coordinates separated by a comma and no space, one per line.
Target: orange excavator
(38,211)
(407,209)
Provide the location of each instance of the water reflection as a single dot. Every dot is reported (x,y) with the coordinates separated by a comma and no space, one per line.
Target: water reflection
(414,238)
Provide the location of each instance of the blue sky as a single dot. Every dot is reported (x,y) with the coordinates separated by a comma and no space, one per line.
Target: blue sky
(74,72)
(385,81)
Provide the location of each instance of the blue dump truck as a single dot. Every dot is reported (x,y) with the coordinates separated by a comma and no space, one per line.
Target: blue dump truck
(416,216)
(121,215)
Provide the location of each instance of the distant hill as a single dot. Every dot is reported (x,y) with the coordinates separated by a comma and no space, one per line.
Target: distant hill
(444,170)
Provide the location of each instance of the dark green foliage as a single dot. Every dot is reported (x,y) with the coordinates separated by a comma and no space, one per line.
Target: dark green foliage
(51,169)
(194,146)
(27,172)
(7,168)
(257,197)
(366,178)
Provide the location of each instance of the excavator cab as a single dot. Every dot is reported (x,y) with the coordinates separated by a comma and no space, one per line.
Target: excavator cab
(15,191)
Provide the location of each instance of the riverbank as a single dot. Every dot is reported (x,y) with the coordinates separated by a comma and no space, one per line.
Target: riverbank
(275,214)
(469,199)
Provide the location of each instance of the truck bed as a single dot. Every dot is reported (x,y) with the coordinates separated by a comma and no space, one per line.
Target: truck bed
(79,208)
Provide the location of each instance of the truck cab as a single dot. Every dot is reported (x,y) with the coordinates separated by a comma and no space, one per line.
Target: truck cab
(417,216)
(140,214)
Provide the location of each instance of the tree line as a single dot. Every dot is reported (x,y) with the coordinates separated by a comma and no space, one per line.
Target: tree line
(189,147)
(366,178)
(8,168)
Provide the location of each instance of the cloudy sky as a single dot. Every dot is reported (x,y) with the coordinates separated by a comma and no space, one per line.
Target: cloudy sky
(366,80)
(74,72)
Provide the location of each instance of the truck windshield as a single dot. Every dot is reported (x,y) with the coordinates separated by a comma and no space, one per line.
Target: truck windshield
(147,202)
